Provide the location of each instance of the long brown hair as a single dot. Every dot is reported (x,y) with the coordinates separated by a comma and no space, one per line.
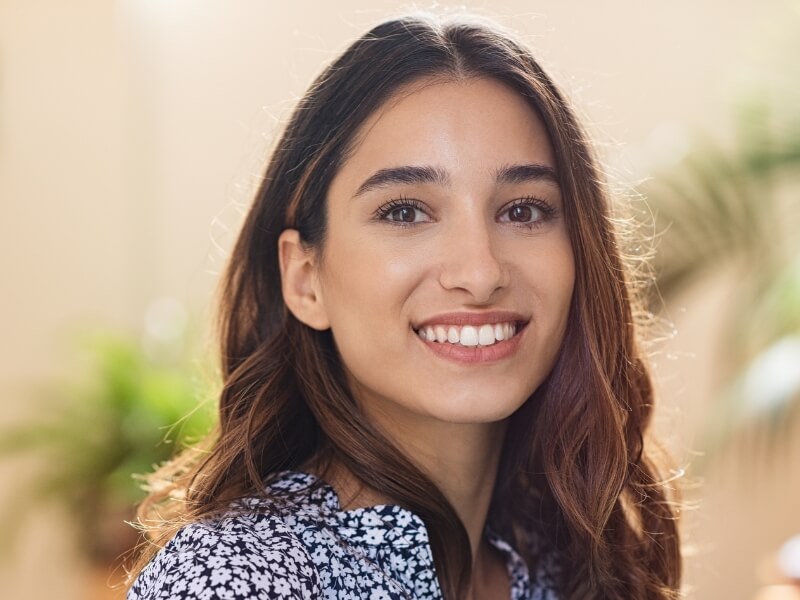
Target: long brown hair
(574,468)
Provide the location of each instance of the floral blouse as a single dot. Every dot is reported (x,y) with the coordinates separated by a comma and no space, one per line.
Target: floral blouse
(307,547)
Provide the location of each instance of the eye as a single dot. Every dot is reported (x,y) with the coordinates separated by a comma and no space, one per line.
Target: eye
(522,213)
(404,214)
(403,211)
(528,211)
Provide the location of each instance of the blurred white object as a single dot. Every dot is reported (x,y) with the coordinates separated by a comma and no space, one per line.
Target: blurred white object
(773,378)
(789,558)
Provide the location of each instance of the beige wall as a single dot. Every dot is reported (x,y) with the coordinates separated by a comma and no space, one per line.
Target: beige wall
(130,133)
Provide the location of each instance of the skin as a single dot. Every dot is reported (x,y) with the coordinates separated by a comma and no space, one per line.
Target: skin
(465,250)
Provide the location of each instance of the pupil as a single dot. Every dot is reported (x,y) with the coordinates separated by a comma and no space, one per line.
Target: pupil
(521,213)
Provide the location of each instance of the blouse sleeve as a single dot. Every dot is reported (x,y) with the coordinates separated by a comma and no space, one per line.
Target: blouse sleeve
(231,560)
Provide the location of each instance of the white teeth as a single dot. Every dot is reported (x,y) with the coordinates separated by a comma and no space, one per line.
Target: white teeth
(486,335)
(468,335)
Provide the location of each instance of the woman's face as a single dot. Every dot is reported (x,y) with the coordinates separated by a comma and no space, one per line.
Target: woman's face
(447,272)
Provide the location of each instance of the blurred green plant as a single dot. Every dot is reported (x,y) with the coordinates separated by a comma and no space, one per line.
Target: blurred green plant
(737,210)
(89,439)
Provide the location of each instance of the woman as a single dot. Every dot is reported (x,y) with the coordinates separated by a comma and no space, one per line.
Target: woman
(432,383)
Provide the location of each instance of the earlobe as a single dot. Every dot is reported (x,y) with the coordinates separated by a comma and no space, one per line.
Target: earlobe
(299,282)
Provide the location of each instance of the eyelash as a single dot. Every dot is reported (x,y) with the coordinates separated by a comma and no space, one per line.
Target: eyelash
(402,202)
(548,212)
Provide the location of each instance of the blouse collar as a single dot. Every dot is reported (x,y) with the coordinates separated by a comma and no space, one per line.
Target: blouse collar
(381,529)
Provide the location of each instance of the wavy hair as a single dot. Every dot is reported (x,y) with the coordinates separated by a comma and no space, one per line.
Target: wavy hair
(574,468)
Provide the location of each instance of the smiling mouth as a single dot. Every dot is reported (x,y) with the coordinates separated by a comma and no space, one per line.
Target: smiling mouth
(471,336)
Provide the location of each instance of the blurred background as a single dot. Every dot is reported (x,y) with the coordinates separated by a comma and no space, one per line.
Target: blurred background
(132,133)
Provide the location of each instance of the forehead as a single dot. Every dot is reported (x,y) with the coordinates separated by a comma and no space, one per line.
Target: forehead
(450,123)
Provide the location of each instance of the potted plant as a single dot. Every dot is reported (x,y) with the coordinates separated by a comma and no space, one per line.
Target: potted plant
(736,209)
(138,401)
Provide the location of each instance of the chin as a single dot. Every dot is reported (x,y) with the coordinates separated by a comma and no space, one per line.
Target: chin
(475,411)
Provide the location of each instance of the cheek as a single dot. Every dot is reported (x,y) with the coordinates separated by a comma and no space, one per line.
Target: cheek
(365,299)
(365,286)
(564,281)
(554,282)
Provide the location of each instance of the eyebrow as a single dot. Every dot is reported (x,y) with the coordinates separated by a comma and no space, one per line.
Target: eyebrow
(404,175)
(526,173)
(410,175)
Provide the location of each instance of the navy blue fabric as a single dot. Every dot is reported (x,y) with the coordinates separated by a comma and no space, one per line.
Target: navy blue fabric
(302,545)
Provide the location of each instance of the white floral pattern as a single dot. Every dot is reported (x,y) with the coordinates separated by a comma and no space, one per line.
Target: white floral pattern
(300,544)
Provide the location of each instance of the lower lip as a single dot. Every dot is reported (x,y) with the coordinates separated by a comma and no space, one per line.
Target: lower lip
(475,354)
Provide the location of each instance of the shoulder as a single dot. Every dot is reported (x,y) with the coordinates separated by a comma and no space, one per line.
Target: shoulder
(244,556)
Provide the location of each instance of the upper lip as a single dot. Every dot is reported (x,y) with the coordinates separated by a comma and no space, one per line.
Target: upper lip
(472,318)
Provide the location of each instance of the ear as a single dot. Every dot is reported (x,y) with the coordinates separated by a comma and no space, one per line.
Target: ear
(299,281)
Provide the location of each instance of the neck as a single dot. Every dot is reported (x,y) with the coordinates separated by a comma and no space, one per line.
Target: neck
(461,459)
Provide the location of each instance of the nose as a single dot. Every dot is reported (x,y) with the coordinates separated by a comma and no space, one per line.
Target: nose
(470,261)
